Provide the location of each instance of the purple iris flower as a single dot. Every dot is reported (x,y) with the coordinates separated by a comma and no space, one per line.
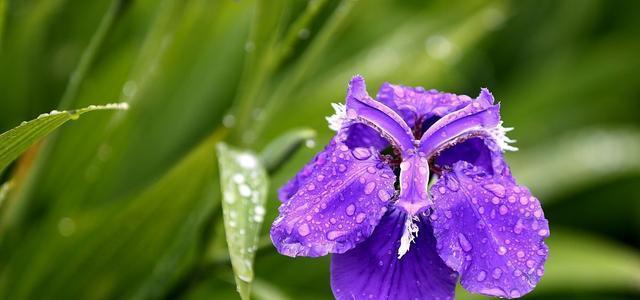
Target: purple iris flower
(367,199)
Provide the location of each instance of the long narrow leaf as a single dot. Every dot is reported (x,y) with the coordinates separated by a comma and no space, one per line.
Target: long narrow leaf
(243,181)
(15,141)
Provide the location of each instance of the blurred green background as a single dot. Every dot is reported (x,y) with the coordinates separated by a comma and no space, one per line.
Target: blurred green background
(126,205)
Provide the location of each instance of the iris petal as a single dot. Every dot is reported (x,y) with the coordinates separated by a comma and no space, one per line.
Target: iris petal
(415,104)
(489,229)
(363,109)
(336,204)
(372,270)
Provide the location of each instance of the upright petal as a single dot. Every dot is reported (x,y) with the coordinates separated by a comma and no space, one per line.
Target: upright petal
(363,109)
(418,104)
(335,204)
(372,270)
(490,230)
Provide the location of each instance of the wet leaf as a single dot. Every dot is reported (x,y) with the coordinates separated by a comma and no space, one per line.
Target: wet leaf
(15,141)
(243,181)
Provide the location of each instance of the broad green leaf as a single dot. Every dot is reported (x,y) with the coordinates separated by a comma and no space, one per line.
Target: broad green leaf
(153,234)
(15,141)
(243,181)
(281,148)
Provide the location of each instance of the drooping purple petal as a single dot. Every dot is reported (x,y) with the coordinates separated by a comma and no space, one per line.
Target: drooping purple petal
(490,230)
(363,109)
(354,136)
(414,177)
(372,270)
(418,104)
(337,203)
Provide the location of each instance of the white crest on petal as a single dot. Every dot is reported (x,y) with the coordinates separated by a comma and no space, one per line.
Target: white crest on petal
(338,118)
(408,236)
(499,134)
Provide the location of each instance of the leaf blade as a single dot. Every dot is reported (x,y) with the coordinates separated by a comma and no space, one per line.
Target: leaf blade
(17,140)
(244,182)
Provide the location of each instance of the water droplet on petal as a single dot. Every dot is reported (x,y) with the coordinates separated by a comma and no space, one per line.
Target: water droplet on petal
(342,168)
(503,210)
(371,170)
(497,272)
(360,218)
(351,209)
(332,235)
(361,153)
(442,190)
(383,195)
(448,214)
(524,200)
(502,250)
(303,230)
(481,276)
(311,187)
(520,254)
(543,232)
(530,263)
(515,294)
(464,242)
(496,189)
(368,189)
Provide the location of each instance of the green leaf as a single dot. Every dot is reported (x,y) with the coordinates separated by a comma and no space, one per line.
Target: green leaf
(281,148)
(15,141)
(152,234)
(244,182)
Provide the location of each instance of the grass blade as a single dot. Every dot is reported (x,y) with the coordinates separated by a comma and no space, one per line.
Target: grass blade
(243,181)
(15,141)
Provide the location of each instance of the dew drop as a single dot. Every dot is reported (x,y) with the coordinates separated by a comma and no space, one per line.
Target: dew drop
(520,254)
(371,170)
(448,214)
(361,153)
(464,242)
(452,185)
(503,210)
(543,232)
(351,209)
(311,187)
(495,200)
(342,168)
(497,272)
(368,189)
(360,218)
(515,294)
(537,213)
(496,189)
(303,230)
(245,190)
(332,235)
(481,276)
(442,190)
(502,250)
(512,199)
(383,195)
(320,177)
(524,200)
(530,263)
